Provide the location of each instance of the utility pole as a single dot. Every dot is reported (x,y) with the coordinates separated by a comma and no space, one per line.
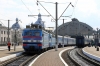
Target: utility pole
(63,34)
(56,35)
(8,31)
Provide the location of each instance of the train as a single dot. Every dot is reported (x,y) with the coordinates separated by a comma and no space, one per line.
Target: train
(81,41)
(36,39)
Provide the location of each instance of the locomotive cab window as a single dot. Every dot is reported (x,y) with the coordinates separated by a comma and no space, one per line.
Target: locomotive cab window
(28,33)
(36,34)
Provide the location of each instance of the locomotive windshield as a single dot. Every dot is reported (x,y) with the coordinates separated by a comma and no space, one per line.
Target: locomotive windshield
(28,33)
(32,33)
(36,34)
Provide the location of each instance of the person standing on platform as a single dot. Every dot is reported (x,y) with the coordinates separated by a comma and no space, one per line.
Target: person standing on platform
(9,44)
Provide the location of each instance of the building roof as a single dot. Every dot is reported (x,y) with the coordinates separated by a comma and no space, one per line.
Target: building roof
(39,21)
(75,27)
(2,26)
(16,25)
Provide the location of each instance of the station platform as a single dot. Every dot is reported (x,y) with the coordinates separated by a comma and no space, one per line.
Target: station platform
(50,58)
(5,54)
(92,50)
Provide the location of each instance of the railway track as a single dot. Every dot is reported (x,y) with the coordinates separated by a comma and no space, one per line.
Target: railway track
(22,60)
(79,59)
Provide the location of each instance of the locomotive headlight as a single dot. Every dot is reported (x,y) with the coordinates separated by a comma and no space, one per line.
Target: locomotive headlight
(25,40)
(39,41)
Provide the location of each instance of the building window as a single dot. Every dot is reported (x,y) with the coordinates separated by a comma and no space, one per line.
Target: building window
(4,39)
(4,32)
(1,32)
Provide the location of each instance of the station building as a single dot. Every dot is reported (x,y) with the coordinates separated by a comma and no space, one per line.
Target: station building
(4,35)
(75,28)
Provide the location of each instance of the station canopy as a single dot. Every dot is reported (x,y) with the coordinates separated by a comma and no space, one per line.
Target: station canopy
(75,28)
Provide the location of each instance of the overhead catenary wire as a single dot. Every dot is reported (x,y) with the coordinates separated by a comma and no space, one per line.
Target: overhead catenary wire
(37,5)
(4,20)
(74,7)
(65,10)
(2,23)
(46,2)
(53,3)
(27,7)
(10,20)
(45,9)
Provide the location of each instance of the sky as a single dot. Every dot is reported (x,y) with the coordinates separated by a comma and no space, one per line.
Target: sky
(87,11)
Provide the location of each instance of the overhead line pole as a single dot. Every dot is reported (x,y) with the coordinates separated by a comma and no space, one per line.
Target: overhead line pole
(56,35)
(63,34)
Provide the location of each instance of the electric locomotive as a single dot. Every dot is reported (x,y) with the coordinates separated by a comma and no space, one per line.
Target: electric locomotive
(32,39)
(36,39)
